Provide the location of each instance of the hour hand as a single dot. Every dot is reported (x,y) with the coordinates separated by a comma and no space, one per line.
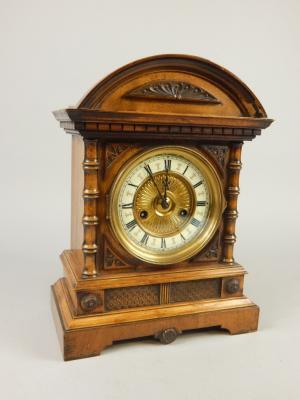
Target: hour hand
(166,180)
(166,184)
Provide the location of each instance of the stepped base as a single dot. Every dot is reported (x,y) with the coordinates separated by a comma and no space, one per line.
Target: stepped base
(87,336)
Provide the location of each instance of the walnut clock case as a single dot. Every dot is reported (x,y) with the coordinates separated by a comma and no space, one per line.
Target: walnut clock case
(156,158)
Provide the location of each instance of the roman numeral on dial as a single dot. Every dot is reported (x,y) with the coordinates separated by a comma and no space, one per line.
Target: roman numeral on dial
(163,243)
(186,168)
(195,222)
(168,165)
(201,203)
(131,225)
(145,238)
(197,184)
(128,205)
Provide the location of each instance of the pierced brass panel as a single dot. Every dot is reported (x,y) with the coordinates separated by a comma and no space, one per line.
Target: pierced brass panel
(195,290)
(151,295)
(131,297)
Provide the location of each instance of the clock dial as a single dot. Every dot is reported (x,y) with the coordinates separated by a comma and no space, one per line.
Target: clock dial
(165,204)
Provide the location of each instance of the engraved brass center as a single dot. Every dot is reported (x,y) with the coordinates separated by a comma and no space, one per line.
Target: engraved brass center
(164,218)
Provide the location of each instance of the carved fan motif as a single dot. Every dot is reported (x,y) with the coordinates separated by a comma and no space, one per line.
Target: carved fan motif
(113,150)
(210,252)
(173,90)
(111,261)
(218,152)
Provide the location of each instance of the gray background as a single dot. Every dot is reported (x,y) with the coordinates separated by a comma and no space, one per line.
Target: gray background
(52,52)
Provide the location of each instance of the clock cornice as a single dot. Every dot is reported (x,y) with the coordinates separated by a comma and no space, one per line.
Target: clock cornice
(172,94)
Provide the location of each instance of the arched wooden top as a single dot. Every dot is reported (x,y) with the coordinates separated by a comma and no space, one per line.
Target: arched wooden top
(174,85)
(166,97)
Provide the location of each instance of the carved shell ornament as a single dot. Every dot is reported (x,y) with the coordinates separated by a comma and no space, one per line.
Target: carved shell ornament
(173,90)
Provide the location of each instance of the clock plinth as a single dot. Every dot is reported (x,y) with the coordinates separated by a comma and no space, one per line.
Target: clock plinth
(156,158)
(93,313)
(88,335)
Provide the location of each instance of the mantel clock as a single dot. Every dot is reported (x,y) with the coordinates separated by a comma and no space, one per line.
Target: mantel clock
(156,158)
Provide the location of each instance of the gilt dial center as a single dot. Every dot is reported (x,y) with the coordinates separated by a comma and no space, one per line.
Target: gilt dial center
(163,204)
(163,207)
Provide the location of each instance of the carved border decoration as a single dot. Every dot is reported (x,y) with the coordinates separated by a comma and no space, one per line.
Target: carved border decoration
(115,129)
(173,90)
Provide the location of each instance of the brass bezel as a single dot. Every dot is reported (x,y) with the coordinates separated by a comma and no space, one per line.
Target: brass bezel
(215,212)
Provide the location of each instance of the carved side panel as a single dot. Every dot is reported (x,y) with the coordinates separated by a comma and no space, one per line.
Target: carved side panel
(195,290)
(173,90)
(131,297)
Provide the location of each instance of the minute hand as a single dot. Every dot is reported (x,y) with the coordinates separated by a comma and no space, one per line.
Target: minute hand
(148,169)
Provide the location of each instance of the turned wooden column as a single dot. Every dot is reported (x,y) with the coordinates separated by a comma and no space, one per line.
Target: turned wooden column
(90,218)
(232,192)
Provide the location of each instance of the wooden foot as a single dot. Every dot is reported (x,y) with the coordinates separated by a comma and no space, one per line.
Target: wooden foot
(87,336)
(245,322)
